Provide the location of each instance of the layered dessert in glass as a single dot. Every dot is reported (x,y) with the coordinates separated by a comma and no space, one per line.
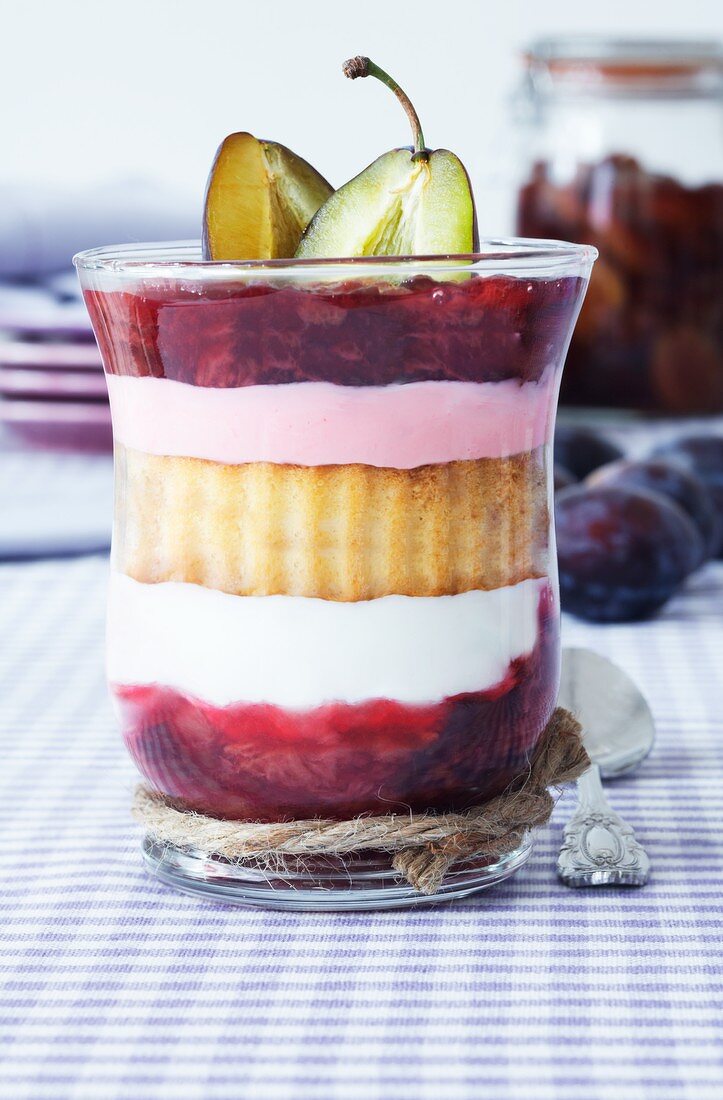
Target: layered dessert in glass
(333,584)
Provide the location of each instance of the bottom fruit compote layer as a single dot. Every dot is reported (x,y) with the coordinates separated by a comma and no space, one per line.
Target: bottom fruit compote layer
(264,762)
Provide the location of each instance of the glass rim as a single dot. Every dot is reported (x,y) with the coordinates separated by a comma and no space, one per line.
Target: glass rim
(580,64)
(184,257)
(612,49)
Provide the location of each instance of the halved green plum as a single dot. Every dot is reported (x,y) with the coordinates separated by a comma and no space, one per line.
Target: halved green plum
(410,201)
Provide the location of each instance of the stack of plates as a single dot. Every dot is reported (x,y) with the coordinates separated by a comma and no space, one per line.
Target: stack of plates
(52,390)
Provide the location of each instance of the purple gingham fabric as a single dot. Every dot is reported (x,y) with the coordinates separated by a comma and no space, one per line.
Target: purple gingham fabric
(116,988)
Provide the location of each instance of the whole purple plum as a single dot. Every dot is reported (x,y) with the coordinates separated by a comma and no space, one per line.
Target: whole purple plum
(622,552)
(673,480)
(703,454)
(582,450)
(562,478)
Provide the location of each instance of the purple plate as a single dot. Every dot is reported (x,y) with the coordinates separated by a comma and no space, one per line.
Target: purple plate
(59,425)
(34,311)
(54,383)
(49,356)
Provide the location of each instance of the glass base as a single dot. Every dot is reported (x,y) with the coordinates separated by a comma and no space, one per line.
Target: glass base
(329,884)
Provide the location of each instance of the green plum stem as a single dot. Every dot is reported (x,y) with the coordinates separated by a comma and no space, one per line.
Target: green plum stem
(364,66)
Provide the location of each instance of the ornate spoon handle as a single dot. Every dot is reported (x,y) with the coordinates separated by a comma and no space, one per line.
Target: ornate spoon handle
(599,848)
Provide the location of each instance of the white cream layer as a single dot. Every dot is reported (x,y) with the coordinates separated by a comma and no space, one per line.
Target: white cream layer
(320,423)
(298,652)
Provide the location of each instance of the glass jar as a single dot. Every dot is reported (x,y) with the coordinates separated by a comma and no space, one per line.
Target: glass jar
(333,590)
(623,148)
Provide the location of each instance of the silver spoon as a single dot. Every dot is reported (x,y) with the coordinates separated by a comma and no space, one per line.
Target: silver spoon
(599,848)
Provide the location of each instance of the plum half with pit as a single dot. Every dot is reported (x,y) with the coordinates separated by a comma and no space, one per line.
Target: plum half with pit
(622,552)
(672,480)
(260,197)
(582,450)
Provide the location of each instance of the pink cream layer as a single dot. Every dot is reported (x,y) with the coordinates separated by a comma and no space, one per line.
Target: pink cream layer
(320,423)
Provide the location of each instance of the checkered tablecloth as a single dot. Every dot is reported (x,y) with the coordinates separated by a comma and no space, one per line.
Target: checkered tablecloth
(115,987)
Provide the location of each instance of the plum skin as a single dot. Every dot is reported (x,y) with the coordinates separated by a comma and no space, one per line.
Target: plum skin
(703,454)
(581,450)
(671,479)
(562,478)
(621,552)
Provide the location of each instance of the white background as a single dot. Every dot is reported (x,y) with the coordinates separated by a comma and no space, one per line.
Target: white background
(95,91)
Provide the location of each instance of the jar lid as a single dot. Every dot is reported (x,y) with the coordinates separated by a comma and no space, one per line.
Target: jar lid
(575,64)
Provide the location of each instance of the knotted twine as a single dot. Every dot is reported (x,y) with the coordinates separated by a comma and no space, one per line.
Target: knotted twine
(424,846)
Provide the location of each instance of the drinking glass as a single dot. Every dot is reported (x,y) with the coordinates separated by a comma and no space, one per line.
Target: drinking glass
(333,587)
